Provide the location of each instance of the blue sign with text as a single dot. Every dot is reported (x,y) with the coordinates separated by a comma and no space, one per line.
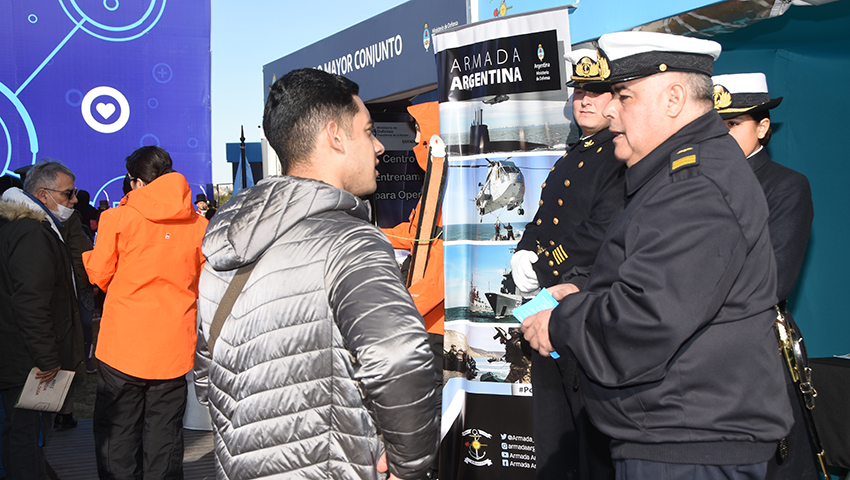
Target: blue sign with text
(386,54)
(87,82)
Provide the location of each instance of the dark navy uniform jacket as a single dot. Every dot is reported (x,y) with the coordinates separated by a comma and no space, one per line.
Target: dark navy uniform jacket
(674,327)
(789,199)
(581,195)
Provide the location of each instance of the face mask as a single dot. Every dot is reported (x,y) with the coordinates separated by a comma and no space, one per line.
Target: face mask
(64,212)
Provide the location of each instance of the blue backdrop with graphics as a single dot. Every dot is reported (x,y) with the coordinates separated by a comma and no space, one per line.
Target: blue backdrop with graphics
(89,81)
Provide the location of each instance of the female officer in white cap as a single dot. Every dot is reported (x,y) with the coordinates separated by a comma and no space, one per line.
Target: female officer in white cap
(743,102)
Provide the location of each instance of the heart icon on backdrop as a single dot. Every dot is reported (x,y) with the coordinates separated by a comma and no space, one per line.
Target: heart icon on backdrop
(105,110)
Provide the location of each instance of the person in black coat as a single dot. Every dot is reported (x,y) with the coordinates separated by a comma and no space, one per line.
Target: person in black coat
(88,214)
(580,197)
(39,318)
(744,104)
(672,327)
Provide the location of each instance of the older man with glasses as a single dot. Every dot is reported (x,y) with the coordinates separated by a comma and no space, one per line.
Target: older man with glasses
(39,316)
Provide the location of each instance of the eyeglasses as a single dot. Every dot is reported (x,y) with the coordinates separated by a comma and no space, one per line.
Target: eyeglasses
(69,194)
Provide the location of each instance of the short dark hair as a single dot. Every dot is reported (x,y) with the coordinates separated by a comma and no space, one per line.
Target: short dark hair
(299,106)
(148,163)
(43,175)
(8,181)
(83,196)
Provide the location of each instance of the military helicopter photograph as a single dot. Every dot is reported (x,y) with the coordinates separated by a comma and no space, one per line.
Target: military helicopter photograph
(504,187)
(491,190)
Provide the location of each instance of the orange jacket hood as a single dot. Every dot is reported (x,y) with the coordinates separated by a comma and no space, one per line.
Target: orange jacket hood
(167,198)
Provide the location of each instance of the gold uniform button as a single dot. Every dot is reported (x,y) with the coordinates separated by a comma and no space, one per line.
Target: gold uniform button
(546,253)
(540,203)
(555,221)
(580,164)
(552,242)
(599,150)
(551,263)
(555,273)
(560,203)
(544,185)
(567,182)
(662,67)
(553,167)
(539,221)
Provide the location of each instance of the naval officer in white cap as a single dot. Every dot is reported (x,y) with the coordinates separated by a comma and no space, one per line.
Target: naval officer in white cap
(744,104)
(580,197)
(673,329)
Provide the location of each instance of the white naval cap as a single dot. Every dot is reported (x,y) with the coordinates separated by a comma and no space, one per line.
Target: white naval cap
(630,55)
(739,93)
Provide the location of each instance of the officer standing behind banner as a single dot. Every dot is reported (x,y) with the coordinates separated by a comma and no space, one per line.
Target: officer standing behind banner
(580,197)
(743,102)
(674,328)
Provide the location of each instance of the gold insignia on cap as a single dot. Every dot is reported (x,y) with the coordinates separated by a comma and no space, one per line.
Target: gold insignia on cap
(588,143)
(586,69)
(604,70)
(663,67)
(722,97)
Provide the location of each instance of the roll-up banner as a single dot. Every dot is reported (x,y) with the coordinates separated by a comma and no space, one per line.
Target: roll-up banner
(505,117)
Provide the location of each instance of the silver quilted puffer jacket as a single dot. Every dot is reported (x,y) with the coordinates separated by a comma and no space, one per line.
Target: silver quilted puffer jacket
(324,353)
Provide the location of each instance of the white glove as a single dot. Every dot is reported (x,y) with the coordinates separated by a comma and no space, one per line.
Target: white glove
(525,278)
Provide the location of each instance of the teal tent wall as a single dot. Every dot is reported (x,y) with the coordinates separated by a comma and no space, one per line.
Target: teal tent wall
(806,57)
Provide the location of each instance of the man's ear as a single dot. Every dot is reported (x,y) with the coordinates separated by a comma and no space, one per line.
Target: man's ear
(334,134)
(677,95)
(41,195)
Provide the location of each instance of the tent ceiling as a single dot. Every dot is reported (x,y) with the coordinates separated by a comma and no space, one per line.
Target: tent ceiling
(720,18)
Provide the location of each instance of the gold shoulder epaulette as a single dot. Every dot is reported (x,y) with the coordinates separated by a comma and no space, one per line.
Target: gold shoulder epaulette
(684,157)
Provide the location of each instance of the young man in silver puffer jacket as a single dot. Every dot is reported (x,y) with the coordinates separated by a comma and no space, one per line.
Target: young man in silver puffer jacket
(322,370)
